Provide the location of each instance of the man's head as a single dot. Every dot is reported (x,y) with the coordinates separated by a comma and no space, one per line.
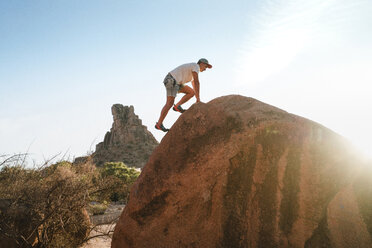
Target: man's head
(204,64)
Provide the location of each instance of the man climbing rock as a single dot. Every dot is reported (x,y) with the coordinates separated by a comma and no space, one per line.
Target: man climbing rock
(175,82)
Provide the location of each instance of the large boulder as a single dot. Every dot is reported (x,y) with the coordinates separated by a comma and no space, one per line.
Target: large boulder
(236,172)
(128,140)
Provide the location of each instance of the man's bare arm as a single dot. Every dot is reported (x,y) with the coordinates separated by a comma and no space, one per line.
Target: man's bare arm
(196,85)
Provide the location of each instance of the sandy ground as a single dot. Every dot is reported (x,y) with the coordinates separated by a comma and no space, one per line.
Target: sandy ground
(111,215)
(100,242)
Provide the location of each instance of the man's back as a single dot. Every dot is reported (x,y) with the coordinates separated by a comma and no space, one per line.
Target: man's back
(183,73)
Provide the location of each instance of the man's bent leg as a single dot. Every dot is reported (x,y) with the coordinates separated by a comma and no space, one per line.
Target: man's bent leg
(189,93)
(166,108)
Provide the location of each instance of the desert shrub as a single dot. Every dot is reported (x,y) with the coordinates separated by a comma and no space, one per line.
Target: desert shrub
(121,177)
(45,207)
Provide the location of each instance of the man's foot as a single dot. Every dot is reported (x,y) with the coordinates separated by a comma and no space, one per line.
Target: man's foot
(161,127)
(178,109)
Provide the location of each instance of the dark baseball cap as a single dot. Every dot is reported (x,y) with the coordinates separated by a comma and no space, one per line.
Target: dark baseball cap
(205,61)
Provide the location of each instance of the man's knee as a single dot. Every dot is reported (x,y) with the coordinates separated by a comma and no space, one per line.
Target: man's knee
(189,93)
(170,101)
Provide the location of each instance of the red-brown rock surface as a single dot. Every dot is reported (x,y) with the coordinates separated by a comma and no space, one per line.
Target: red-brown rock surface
(236,172)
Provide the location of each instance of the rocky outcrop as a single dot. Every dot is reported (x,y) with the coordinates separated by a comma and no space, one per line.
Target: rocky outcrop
(128,141)
(247,174)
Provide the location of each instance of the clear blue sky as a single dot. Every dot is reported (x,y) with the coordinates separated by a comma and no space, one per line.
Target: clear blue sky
(63,63)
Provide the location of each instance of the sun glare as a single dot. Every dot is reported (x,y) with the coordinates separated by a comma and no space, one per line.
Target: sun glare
(363,147)
(336,67)
(277,51)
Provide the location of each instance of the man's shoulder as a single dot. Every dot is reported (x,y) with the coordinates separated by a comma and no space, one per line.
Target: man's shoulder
(193,66)
(189,65)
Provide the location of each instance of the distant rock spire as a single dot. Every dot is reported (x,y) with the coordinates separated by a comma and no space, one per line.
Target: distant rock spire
(128,140)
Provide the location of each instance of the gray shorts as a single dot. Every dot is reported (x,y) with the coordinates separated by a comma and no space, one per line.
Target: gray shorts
(171,85)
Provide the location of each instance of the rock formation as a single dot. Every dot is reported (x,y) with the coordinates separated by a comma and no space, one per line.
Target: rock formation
(247,174)
(128,141)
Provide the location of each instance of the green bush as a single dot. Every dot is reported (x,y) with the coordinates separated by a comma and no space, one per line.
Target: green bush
(121,177)
(120,170)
